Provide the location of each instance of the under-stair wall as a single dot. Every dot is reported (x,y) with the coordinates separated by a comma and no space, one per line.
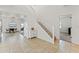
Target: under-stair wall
(44,33)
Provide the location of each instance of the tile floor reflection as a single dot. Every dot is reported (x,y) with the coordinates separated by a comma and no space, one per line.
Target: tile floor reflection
(16,43)
(65,37)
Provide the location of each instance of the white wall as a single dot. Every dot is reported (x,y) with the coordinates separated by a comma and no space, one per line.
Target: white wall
(74,11)
(49,16)
(75,24)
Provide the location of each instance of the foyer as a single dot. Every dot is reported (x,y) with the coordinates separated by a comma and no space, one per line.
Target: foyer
(39,29)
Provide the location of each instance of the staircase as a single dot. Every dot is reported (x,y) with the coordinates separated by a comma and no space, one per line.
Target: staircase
(44,33)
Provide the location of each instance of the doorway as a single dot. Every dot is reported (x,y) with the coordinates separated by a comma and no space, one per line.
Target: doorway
(65,27)
(24,26)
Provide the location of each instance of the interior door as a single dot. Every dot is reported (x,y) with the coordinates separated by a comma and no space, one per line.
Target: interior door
(65,27)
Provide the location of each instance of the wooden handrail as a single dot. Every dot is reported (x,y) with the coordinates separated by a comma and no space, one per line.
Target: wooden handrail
(45,29)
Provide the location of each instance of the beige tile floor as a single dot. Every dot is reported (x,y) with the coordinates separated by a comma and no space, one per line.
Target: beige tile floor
(16,43)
